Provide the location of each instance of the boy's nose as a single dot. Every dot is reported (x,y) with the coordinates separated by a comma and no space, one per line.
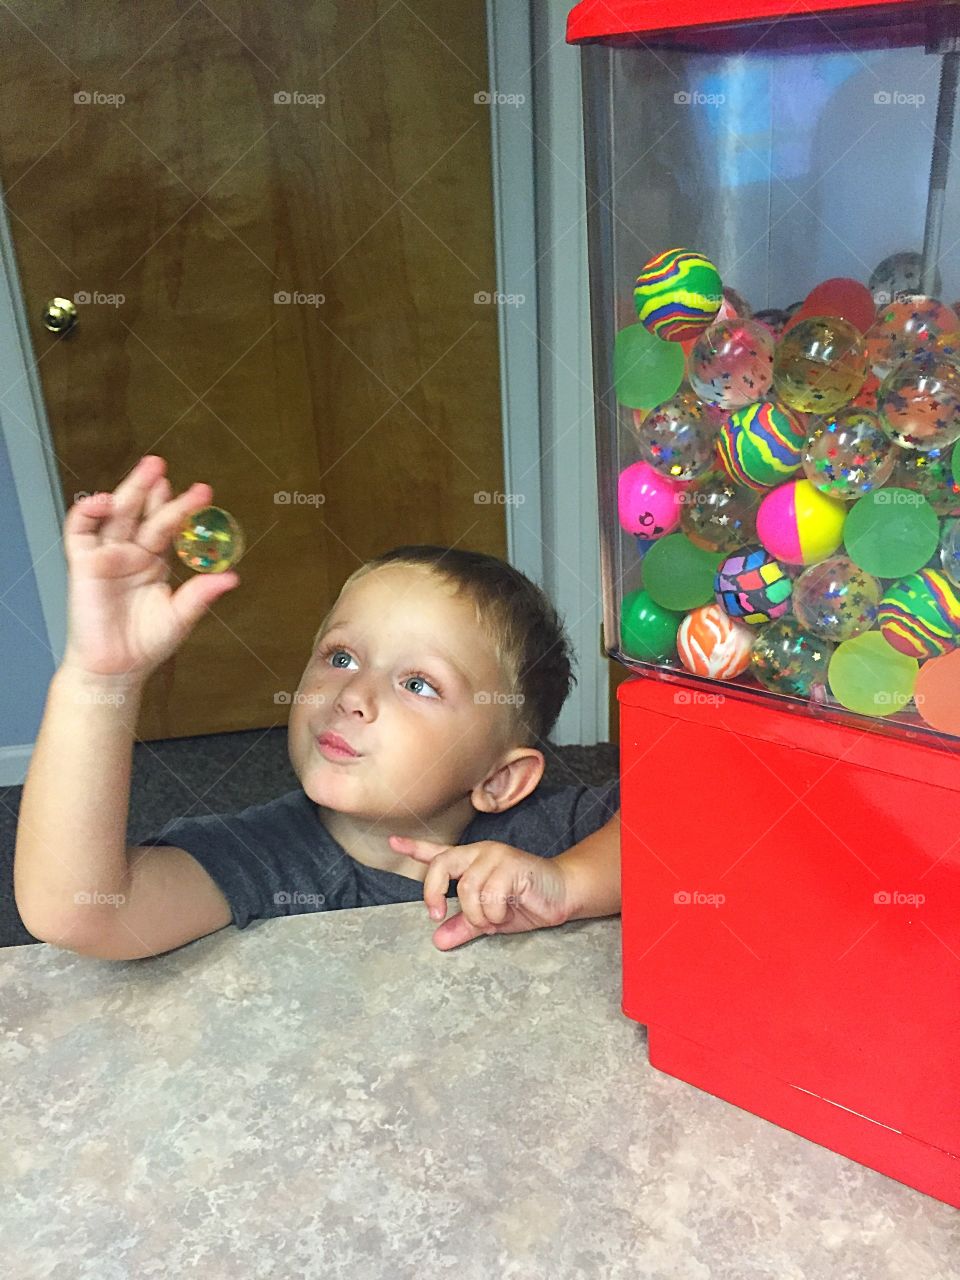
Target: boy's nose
(357,695)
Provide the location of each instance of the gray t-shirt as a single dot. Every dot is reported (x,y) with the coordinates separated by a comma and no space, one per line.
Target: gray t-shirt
(278,859)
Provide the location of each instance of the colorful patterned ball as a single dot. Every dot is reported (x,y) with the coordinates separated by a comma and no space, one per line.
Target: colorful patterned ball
(761,444)
(920,615)
(753,586)
(800,525)
(678,294)
(711,643)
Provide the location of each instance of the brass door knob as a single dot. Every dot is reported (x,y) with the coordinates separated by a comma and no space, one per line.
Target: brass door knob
(59,315)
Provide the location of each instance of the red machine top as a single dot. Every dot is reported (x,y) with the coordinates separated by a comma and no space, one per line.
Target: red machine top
(594,19)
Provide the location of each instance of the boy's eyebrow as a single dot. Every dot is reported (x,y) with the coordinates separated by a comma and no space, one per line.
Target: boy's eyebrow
(441,657)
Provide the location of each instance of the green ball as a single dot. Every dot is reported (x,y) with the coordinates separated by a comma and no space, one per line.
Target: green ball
(647,631)
(869,676)
(679,575)
(646,370)
(891,532)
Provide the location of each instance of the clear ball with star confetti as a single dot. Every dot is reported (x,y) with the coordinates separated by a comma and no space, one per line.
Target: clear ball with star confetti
(836,599)
(718,514)
(678,437)
(847,454)
(788,659)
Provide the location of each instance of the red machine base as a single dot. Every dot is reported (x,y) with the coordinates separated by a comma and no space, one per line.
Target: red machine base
(915,1163)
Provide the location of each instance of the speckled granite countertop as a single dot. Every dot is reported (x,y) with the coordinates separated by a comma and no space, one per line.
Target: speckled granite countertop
(330,1096)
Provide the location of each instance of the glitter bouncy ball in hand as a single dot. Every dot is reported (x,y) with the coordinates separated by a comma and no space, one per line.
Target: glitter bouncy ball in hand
(820,364)
(210,542)
(731,364)
(678,294)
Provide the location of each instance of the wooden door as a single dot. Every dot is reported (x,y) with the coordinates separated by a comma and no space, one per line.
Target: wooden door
(280,215)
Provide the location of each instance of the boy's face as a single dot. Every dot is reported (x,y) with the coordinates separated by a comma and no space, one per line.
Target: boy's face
(395,673)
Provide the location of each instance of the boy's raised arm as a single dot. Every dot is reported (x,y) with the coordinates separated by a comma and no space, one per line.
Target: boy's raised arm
(71,864)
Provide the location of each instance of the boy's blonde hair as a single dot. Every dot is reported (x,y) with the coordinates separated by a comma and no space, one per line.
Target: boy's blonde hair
(532,648)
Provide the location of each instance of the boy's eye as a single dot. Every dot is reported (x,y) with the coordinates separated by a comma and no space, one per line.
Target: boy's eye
(333,654)
(434,691)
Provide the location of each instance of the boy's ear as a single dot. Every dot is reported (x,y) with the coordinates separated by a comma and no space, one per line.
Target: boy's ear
(517,774)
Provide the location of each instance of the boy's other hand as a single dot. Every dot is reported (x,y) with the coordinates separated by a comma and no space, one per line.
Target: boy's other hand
(501,889)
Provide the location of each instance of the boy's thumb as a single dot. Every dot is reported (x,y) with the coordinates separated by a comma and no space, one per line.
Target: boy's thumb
(193,598)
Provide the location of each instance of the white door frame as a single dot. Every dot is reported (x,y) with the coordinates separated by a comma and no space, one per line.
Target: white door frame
(26,434)
(545,350)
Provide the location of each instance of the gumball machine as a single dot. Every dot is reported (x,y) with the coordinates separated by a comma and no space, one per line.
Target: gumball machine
(774,242)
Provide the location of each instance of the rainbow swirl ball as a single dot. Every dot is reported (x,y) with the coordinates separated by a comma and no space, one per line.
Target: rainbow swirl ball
(753,586)
(800,525)
(678,294)
(761,444)
(920,615)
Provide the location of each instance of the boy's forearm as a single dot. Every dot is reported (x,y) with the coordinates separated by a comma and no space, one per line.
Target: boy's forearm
(71,832)
(592,868)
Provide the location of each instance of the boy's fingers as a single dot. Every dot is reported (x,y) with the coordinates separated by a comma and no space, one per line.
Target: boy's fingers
(129,497)
(421,850)
(454,932)
(158,531)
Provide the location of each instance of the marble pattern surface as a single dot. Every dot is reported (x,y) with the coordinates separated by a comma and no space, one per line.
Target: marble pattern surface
(330,1096)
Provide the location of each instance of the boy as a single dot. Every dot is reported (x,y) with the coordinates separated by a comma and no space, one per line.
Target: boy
(410,735)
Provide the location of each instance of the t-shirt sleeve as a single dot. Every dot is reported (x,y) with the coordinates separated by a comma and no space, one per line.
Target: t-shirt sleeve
(267,860)
(550,820)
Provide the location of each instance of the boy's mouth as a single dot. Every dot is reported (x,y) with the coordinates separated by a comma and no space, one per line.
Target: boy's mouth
(334,747)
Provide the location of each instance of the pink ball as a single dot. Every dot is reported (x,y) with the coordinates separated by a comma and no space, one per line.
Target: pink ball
(649,503)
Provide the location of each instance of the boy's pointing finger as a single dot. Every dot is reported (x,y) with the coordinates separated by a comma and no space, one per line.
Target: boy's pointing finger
(421,850)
